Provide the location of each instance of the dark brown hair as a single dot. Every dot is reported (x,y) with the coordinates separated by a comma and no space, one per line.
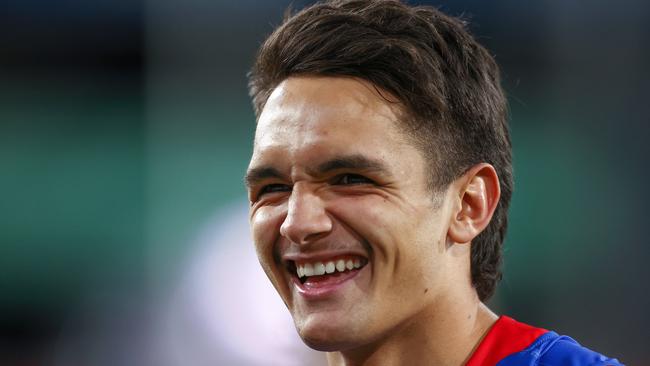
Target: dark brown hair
(448,86)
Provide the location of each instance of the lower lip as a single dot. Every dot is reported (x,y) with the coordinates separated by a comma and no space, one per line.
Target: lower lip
(327,287)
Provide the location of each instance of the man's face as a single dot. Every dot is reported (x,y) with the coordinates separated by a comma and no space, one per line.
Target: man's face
(343,222)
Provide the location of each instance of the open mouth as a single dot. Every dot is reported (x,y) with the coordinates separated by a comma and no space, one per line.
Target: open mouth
(324,272)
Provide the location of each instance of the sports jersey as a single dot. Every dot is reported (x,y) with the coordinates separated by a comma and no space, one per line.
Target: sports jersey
(511,343)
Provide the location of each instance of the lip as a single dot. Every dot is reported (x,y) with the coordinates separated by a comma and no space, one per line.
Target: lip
(329,288)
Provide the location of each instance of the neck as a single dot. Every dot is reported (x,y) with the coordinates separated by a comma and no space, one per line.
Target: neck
(446,333)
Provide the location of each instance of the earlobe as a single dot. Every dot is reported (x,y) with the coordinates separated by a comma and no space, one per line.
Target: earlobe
(478,196)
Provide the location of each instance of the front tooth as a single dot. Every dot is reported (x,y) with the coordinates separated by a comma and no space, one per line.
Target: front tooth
(340,265)
(300,272)
(357,263)
(319,269)
(330,267)
(308,270)
(349,264)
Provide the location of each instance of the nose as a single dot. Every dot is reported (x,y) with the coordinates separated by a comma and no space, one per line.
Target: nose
(306,218)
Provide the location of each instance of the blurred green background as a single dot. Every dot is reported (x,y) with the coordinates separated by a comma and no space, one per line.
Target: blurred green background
(125,125)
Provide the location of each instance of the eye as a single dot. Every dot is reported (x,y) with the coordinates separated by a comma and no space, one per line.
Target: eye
(352,179)
(272,188)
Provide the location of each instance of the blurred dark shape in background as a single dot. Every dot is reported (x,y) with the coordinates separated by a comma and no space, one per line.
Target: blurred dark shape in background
(72,172)
(124,125)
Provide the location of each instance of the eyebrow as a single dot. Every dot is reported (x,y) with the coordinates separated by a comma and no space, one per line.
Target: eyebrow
(355,162)
(352,162)
(255,175)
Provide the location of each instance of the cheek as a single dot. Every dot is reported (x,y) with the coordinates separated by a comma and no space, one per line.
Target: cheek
(405,239)
(265,226)
(373,220)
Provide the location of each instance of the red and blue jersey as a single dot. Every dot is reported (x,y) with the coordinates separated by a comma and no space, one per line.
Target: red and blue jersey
(511,343)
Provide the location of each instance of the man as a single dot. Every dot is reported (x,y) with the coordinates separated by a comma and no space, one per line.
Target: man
(379,187)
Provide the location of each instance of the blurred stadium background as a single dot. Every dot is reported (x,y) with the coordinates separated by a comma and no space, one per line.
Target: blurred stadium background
(125,130)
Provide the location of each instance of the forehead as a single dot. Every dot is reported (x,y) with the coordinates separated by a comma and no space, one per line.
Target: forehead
(342,113)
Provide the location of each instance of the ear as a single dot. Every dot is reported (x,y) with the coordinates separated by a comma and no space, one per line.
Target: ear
(478,195)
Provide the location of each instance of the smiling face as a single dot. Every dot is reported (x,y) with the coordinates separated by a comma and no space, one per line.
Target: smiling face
(343,221)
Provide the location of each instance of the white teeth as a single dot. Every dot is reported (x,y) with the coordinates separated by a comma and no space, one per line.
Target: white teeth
(330,267)
(308,269)
(320,268)
(349,264)
(340,265)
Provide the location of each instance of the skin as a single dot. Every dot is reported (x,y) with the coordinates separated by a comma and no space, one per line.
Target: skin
(331,172)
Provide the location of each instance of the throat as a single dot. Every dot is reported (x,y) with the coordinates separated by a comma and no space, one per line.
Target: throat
(422,338)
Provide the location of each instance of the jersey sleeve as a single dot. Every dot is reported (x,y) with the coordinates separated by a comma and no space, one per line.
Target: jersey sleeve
(552,349)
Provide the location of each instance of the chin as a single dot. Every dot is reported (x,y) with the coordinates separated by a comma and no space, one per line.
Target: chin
(328,337)
(327,344)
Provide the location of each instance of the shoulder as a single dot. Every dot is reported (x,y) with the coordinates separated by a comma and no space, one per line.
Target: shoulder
(552,349)
(512,343)
(563,350)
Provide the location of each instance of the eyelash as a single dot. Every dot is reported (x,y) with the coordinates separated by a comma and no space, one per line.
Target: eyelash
(272,188)
(342,179)
(360,179)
